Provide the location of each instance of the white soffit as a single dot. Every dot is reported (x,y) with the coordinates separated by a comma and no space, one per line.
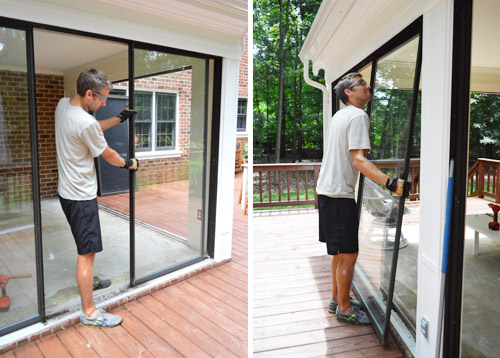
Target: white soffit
(215,27)
(345,32)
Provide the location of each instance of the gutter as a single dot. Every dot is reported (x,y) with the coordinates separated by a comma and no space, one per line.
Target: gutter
(327,109)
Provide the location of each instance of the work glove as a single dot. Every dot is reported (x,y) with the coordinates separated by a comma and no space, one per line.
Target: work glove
(398,186)
(131,164)
(126,114)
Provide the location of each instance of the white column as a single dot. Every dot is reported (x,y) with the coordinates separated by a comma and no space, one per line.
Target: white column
(227,155)
(436,102)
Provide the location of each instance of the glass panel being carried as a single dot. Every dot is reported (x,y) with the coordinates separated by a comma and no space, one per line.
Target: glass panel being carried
(18,286)
(390,120)
(170,182)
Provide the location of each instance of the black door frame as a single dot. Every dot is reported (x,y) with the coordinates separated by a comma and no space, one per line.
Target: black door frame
(211,166)
(459,150)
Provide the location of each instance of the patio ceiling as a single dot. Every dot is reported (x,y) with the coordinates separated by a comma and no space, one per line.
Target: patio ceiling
(335,45)
(215,27)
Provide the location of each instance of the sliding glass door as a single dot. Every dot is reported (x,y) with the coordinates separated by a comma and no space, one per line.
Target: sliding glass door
(153,221)
(170,141)
(18,269)
(387,277)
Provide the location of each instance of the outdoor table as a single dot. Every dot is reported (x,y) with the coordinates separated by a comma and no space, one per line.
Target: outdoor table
(479,223)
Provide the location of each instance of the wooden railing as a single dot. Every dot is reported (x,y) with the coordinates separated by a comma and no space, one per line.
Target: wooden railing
(388,166)
(290,182)
(484,179)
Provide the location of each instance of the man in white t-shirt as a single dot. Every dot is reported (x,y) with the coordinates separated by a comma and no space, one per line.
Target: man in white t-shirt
(80,139)
(346,142)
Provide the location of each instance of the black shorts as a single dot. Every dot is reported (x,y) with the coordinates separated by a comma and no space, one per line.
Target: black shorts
(83,218)
(338,224)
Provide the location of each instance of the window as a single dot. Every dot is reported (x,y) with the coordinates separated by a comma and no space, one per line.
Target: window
(155,124)
(241,125)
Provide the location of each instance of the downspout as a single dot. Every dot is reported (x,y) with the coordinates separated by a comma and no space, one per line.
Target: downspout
(327,109)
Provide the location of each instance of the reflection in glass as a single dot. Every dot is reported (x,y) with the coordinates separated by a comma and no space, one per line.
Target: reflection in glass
(390,119)
(18,296)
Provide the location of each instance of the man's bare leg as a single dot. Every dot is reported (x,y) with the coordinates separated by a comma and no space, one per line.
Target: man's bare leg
(335,262)
(345,272)
(85,278)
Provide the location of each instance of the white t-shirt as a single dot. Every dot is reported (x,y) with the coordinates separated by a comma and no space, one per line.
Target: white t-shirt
(79,138)
(347,130)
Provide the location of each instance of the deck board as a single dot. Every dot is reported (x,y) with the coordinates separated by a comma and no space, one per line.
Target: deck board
(203,316)
(292,288)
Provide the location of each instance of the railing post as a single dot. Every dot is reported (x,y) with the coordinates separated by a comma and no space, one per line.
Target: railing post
(480,180)
(316,175)
(270,181)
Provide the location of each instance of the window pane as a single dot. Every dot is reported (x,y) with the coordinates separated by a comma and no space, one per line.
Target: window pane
(390,119)
(170,194)
(165,117)
(241,125)
(17,243)
(143,120)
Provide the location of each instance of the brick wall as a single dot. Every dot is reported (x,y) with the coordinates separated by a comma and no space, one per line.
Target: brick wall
(15,163)
(243,88)
(15,135)
(243,78)
(49,90)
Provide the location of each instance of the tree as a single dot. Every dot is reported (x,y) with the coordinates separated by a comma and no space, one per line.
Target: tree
(292,111)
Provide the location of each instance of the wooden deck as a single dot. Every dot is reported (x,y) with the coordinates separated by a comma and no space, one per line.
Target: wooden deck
(203,316)
(292,288)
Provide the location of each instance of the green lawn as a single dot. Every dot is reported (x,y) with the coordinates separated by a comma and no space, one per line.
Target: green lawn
(284,198)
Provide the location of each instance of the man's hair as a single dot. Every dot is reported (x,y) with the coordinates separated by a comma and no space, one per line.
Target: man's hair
(344,83)
(92,79)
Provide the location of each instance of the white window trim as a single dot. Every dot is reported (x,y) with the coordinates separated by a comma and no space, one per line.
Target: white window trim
(169,153)
(173,153)
(243,134)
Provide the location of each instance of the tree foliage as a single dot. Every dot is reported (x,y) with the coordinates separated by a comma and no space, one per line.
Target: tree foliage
(484,137)
(301,105)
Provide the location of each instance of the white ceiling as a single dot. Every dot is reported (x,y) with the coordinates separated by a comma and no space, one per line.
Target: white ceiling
(203,16)
(56,52)
(329,48)
(216,27)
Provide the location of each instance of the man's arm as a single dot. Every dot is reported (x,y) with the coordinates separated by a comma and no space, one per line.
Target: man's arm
(366,167)
(113,158)
(110,122)
(122,117)
(398,186)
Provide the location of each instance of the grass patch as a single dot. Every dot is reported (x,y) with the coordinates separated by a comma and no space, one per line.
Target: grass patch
(284,199)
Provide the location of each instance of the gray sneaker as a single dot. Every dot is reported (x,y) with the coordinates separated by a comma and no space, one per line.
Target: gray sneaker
(332,306)
(356,316)
(101,319)
(101,283)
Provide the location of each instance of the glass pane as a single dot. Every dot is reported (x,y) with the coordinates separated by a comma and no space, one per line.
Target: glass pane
(242,115)
(143,104)
(18,296)
(390,119)
(481,275)
(169,199)
(55,80)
